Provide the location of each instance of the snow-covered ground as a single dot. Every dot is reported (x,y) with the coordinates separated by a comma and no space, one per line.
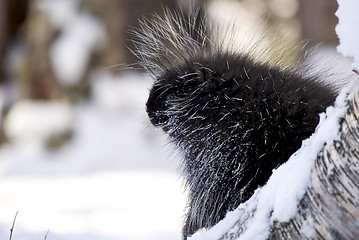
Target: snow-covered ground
(114,179)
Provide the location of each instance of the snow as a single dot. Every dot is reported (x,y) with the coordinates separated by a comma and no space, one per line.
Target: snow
(36,121)
(330,171)
(60,12)
(348,30)
(102,205)
(308,229)
(80,34)
(114,179)
(71,50)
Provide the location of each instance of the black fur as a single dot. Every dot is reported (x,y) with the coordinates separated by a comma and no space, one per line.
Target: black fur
(234,119)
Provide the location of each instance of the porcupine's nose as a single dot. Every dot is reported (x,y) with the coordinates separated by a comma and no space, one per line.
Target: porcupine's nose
(150,110)
(156,111)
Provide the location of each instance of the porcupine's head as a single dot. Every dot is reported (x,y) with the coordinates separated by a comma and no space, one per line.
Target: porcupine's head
(169,50)
(233,118)
(190,72)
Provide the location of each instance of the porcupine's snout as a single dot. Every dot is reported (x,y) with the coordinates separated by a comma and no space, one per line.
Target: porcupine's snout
(156,110)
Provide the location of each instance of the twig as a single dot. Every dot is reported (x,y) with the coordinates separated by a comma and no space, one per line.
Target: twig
(13,224)
(47,233)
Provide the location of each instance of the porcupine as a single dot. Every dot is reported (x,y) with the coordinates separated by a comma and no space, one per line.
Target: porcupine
(234,119)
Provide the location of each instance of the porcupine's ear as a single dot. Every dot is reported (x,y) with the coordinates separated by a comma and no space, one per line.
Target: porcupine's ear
(164,43)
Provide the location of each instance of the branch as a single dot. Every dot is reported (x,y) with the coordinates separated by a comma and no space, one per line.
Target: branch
(12,227)
(47,233)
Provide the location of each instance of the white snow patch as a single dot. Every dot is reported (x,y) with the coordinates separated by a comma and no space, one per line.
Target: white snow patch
(127,94)
(35,121)
(113,180)
(330,170)
(111,131)
(71,51)
(60,12)
(348,30)
(308,229)
(115,205)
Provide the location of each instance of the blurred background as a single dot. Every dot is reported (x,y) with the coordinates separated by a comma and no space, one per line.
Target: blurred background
(78,157)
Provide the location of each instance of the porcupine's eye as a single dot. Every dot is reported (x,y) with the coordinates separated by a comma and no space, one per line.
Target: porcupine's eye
(170,97)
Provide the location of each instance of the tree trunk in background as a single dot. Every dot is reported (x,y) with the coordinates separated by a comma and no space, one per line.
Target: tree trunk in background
(36,77)
(118,16)
(3,37)
(12,16)
(318,21)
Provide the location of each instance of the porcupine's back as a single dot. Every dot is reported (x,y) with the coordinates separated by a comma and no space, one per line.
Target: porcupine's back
(234,118)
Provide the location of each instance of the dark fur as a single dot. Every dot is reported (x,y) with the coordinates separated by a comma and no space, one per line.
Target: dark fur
(235,121)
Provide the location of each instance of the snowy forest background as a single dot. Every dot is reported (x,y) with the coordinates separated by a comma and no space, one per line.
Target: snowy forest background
(78,157)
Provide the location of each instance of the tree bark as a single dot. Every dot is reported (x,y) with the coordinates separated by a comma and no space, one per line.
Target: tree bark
(36,76)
